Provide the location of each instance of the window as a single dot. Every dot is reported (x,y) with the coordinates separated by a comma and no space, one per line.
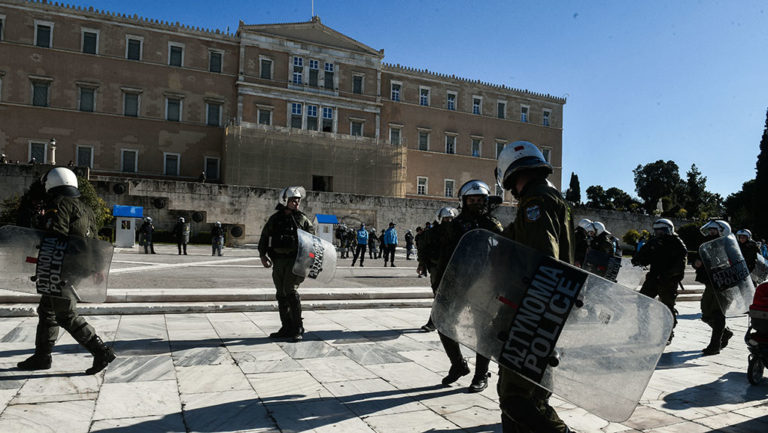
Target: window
(424,96)
(175,54)
(298,70)
(171,164)
(357,84)
(38,151)
(356,128)
(265,116)
(173,109)
(131,104)
(266,69)
(211,168)
(545,117)
(477,105)
(129,160)
(499,147)
(133,47)
(314,71)
(450,144)
(90,41)
(476,142)
(546,152)
(40,93)
(87,99)
(43,34)
(394,135)
(212,114)
(451,98)
(421,185)
(2,25)
(523,113)
(327,119)
(85,156)
(501,110)
(322,183)
(424,140)
(214,61)
(449,187)
(312,117)
(396,87)
(329,71)
(296,115)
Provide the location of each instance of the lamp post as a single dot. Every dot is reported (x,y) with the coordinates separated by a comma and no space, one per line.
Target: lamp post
(53,151)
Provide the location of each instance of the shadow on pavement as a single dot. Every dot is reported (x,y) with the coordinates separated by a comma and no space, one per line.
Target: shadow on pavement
(730,388)
(671,360)
(756,425)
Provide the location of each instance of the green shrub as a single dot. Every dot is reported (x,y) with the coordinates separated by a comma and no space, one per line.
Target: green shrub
(631,237)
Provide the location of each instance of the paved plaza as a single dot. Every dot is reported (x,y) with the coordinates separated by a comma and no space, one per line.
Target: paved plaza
(358,370)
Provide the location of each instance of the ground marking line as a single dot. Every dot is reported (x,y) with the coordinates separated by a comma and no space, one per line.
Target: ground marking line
(176,265)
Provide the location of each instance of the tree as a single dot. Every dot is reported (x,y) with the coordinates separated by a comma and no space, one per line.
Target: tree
(695,191)
(573,194)
(739,206)
(760,194)
(656,180)
(619,199)
(597,198)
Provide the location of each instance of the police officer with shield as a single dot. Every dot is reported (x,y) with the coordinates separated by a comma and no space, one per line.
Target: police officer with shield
(66,215)
(145,232)
(278,247)
(428,253)
(544,222)
(748,247)
(582,240)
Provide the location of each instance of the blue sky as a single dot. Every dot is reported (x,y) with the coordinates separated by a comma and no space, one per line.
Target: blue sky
(644,80)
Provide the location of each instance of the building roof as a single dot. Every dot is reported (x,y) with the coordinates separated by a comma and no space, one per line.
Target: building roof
(314,32)
(326,219)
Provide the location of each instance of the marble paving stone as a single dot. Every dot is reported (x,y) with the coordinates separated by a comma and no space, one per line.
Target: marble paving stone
(468,420)
(21,334)
(373,397)
(722,421)
(210,378)
(449,400)
(645,417)
(140,369)
(6,395)
(251,365)
(201,356)
(430,359)
(142,347)
(405,343)
(368,354)
(410,422)
(309,349)
(12,353)
(68,416)
(339,337)
(407,375)
(581,420)
(144,424)
(285,386)
(46,389)
(226,412)
(335,369)
(323,415)
(11,378)
(124,400)
(682,427)
(262,352)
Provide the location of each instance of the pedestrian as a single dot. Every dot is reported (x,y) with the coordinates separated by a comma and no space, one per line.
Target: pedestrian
(544,223)
(372,240)
(217,239)
(428,253)
(390,244)
(381,243)
(362,242)
(408,245)
(146,231)
(65,214)
(666,254)
(181,233)
(278,246)
(202,178)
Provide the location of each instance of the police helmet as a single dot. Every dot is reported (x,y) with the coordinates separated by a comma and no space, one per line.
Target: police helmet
(218,223)
(181,219)
(664,225)
(516,157)
(584,224)
(61,181)
(744,232)
(446,212)
(291,192)
(598,228)
(474,187)
(722,227)
(148,219)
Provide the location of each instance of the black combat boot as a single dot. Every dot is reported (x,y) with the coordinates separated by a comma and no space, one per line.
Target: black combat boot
(41,360)
(297,323)
(727,334)
(479,382)
(715,343)
(455,372)
(283,332)
(102,354)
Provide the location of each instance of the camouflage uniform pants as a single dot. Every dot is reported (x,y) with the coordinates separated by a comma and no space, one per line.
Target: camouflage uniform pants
(56,312)
(287,292)
(525,407)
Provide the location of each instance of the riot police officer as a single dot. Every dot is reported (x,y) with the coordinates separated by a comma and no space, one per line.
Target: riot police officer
(711,313)
(278,246)
(66,215)
(145,232)
(603,240)
(427,253)
(217,238)
(748,247)
(666,254)
(181,232)
(581,241)
(544,222)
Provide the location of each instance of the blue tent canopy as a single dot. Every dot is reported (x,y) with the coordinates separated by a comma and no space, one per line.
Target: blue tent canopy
(326,219)
(127,211)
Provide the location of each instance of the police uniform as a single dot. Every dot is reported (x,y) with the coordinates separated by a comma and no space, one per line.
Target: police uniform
(279,241)
(217,239)
(604,243)
(543,222)
(181,231)
(711,313)
(581,245)
(750,251)
(146,230)
(666,254)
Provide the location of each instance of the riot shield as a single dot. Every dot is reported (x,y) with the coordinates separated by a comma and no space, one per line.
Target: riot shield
(631,276)
(35,261)
(602,264)
(315,259)
(728,273)
(573,333)
(760,273)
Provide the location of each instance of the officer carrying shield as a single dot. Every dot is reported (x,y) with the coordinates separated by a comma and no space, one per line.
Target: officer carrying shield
(748,247)
(278,245)
(145,232)
(666,254)
(582,240)
(428,253)
(544,222)
(602,240)
(66,215)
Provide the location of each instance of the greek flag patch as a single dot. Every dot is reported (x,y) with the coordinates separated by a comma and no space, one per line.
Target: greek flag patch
(532,213)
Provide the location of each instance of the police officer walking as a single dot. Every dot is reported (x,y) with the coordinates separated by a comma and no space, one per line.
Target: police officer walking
(582,241)
(181,232)
(217,238)
(362,242)
(666,254)
(278,247)
(748,247)
(390,244)
(66,215)
(544,222)
(145,232)
(428,253)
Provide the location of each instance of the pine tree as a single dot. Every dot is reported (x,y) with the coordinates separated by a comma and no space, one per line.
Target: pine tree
(573,194)
(760,197)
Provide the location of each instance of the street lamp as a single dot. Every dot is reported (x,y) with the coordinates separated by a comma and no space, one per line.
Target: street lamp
(53,151)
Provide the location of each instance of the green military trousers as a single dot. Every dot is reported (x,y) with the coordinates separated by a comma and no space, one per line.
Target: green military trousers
(54,312)
(525,407)
(287,293)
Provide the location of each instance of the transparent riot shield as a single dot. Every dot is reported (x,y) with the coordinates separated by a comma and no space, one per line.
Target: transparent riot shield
(760,273)
(602,264)
(315,259)
(631,276)
(35,261)
(588,340)
(728,272)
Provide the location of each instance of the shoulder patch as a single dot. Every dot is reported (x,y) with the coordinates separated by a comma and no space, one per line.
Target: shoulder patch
(533,212)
